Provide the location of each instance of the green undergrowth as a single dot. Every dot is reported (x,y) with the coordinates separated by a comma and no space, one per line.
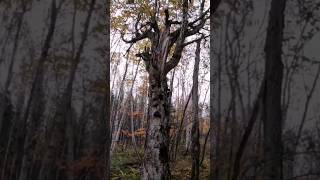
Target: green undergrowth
(126,165)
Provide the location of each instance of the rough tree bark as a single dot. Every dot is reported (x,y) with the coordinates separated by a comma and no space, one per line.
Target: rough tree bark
(156,162)
(271,111)
(195,144)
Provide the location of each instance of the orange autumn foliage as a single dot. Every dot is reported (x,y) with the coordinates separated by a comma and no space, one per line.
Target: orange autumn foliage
(138,133)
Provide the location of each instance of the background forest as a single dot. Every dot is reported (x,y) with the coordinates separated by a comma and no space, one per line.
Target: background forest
(239,30)
(52,74)
(228,93)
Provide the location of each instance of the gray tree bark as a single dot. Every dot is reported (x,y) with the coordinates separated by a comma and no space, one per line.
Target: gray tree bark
(195,145)
(156,162)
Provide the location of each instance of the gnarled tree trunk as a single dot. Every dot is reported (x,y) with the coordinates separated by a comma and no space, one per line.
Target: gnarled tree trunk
(156,161)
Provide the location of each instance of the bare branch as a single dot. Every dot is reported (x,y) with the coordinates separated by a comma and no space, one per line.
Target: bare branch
(179,37)
(194,28)
(195,40)
(198,27)
(203,15)
(138,37)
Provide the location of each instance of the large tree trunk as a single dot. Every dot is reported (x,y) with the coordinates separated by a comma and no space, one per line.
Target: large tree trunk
(156,161)
(195,145)
(272,114)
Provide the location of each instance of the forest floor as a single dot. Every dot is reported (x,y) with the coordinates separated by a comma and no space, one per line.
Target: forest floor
(126,165)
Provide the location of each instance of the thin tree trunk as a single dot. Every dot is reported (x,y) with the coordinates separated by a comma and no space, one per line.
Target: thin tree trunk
(134,142)
(115,112)
(179,133)
(204,147)
(188,121)
(247,133)
(107,175)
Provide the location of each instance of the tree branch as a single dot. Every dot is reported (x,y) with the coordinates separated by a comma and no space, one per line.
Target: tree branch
(180,37)
(195,40)
(138,37)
